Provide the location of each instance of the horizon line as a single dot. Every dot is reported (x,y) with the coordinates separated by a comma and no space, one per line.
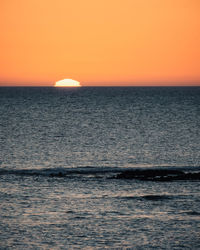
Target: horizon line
(105,84)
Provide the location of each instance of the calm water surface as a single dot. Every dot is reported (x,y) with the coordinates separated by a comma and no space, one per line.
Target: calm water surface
(90,134)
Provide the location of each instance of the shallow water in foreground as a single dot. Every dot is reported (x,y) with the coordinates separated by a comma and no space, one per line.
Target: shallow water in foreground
(91,134)
(95,212)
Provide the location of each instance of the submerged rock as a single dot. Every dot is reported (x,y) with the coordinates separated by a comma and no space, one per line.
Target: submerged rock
(59,174)
(158,175)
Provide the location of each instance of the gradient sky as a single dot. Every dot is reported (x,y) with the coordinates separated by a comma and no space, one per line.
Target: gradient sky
(124,41)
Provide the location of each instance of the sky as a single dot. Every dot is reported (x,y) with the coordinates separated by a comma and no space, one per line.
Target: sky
(100,42)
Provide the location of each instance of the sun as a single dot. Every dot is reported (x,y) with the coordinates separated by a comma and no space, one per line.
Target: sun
(67,83)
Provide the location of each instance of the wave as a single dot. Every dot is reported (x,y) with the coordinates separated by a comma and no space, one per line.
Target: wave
(61,172)
(110,172)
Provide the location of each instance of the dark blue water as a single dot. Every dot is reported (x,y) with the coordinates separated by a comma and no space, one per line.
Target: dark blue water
(90,134)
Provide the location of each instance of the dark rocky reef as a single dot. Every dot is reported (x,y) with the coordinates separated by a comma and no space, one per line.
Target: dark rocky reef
(60,174)
(158,175)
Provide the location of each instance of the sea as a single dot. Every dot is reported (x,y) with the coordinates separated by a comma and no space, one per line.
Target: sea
(61,148)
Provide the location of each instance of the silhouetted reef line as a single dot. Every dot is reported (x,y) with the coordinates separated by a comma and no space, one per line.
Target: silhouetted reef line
(158,175)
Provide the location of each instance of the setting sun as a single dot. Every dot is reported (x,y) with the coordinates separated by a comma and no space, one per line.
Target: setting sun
(67,83)
(100,43)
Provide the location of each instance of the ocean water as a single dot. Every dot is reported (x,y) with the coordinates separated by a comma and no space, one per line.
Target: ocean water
(60,149)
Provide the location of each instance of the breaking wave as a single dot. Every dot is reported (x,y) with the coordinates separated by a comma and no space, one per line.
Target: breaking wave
(103,171)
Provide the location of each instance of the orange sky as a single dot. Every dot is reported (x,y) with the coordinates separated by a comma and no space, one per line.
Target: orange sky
(124,41)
